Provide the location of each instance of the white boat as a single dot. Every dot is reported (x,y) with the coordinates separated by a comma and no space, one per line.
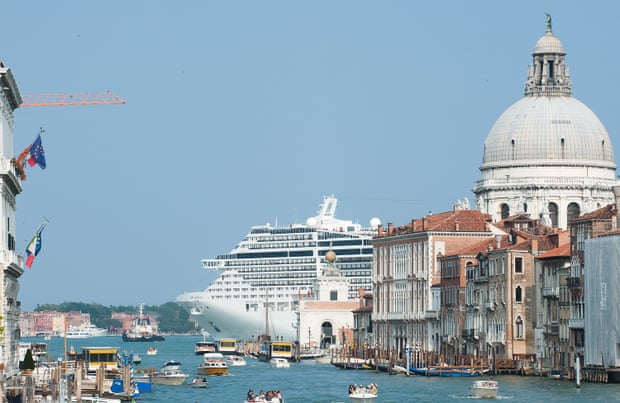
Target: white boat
(485,389)
(198,382)
(279,363)
(77,333)
(233,305)
(235,361)
(169,374)
(151,351)
(363,393)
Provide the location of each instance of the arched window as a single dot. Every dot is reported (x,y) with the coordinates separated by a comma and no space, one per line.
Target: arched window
(505,211)
(518,294)
(573,211)
(519,328)
(553,214)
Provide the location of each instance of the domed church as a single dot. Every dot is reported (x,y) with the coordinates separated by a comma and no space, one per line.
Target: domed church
(548,155)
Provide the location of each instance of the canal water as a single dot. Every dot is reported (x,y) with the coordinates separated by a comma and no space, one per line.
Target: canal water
(323,383)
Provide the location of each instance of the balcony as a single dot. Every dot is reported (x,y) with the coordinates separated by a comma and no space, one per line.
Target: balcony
(573,282)
(552,329)
(550,292)
(575,323)
(490,306)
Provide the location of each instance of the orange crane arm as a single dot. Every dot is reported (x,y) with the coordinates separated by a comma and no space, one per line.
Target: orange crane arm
(103,98)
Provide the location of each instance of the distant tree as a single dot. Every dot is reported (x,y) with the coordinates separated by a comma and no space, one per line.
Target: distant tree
(170,316)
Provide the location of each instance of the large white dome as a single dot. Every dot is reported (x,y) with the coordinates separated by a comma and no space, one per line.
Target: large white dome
(548,155)
(548,130)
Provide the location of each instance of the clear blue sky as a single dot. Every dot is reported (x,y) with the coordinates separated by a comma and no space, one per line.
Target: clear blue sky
(246,112)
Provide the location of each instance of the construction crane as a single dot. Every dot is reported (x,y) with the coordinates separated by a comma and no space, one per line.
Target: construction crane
(103,98)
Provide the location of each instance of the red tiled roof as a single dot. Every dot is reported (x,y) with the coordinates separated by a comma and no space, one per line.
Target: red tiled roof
(560,251)
(603,213)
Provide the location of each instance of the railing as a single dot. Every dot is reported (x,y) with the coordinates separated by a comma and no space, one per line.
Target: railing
(490,306)
(573,282)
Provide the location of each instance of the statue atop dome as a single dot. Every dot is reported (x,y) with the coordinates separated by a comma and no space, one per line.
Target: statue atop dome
(548,23)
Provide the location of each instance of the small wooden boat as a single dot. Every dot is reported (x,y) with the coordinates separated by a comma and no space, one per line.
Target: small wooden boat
(485,389)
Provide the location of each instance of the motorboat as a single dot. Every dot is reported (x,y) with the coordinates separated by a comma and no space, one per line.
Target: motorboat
(213,364)
(271,396)
(169,374)
(151,351)
(363,393)
(235,361)
(485,389)
(198,382)
(279,363)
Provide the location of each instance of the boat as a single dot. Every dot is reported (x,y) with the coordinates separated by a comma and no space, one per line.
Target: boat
(235,361)
(169,374)
(205,346)
(136,359)
(229,347)
(213,364)
(363,393)
(233,304)
(198,382)
(141,329)
(77,333)
(451,371)
(151,351)
(485,389)
(271,396)
(84,332)
(279,363)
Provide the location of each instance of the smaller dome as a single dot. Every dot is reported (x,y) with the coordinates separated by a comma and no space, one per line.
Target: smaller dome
(330,256)
(549,43)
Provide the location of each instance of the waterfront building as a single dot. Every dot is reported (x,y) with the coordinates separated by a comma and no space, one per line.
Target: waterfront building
(461,314)
(553,309)
(602,304)
(548,155)
(587,226)
(10,261)
(407,277)
(363,332)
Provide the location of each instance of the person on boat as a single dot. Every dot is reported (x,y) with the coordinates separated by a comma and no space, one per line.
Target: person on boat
(351,389)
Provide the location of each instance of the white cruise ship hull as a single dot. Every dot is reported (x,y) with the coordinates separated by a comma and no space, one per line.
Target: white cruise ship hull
(232,320)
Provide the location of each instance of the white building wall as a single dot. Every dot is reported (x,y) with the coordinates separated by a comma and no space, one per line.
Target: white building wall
(602,301)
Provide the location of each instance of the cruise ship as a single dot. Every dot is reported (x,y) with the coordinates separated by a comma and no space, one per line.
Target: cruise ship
(276,266)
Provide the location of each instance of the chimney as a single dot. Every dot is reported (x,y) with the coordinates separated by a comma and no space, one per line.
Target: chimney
(457,226)
(498,241)
(390,228)
(380,230)
(535,247)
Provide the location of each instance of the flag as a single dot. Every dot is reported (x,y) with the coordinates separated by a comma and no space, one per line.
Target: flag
(309,293)
(34,247)
(36,154)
